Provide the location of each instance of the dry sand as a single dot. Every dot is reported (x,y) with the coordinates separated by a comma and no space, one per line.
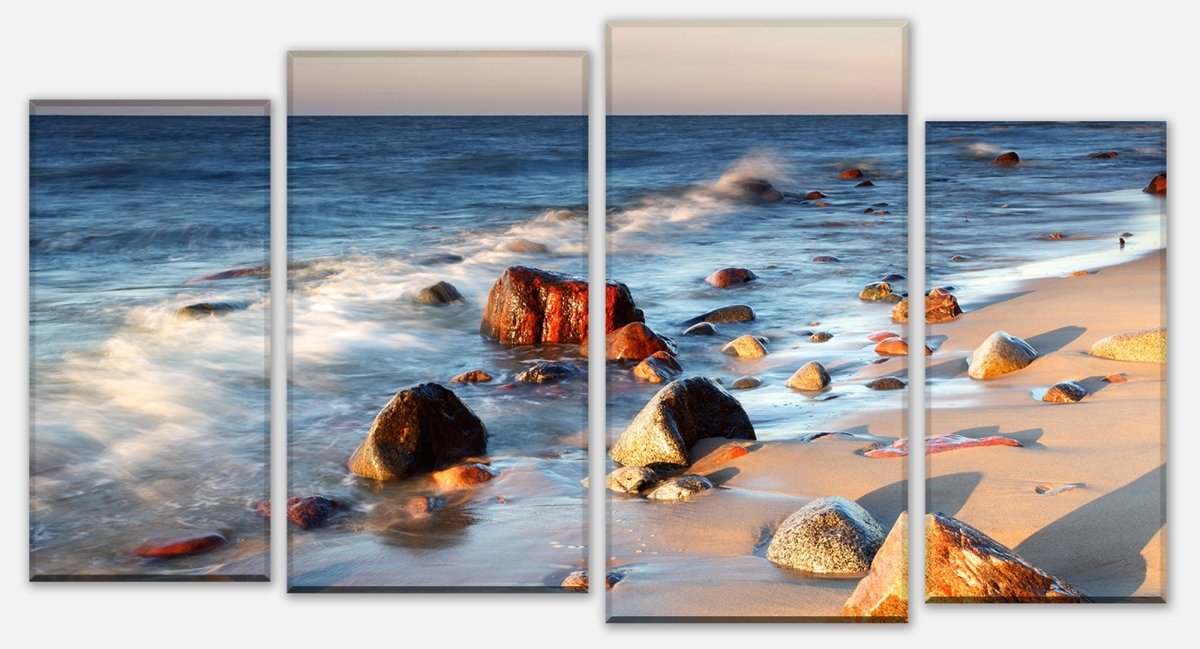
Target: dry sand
(1107,537)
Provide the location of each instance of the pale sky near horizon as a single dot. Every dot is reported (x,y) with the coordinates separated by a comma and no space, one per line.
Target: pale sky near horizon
(757,69)
(437,83)
(150,107)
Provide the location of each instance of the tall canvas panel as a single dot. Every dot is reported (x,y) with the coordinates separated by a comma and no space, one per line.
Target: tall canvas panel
(437,219)
(757,218)
(1046,255)
(149,232)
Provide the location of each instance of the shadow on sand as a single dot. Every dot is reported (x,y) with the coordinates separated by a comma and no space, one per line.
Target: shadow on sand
(1100,544)
(948,493)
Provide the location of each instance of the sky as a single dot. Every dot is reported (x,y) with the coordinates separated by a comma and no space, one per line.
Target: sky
(152,107)
(437,83)
(758,68)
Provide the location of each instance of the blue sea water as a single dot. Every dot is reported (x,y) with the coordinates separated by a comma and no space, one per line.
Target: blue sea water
(672,221)
(998,220)
(145,422)
(379,208)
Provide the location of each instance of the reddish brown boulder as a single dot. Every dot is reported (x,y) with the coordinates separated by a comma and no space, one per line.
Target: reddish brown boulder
(1008,159)
(462,476)
(1158,185)
(633,342)
(940,306)
(170,547)
(850,174)
(962,564)
(1103,155)
(658,368)
(883,593)
(419,429)
(727,277)
(813,196)
(528,306)
(310,511)
(896,347)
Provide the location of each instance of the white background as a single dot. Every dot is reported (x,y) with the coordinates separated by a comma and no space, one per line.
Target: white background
(968,60)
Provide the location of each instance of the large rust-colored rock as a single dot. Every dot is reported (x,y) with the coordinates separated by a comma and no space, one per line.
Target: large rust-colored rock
(680,414)
(850,174)
(418,430)
(883,593)
(170,547)
(633,342)
(940,306)
(1007,159)
(529,306)
(1158,185)
(962,564)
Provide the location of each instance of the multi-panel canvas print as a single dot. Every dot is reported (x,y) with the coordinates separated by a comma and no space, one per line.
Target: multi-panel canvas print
(437,219)
(149,231)
(1046,316)
(757,226)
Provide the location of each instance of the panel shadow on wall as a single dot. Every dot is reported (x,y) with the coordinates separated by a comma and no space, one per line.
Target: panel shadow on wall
(437,219)
(1046,242)
(757,214)
(149,232)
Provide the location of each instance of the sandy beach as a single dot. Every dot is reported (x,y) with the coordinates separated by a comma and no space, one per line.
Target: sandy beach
(1107,537)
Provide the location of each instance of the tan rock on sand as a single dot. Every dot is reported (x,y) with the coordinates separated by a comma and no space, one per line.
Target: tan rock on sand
(962,564)
(745,347)
(830,535)
(672,421)
(809,378)
(1002,353)
(1148,346)
(940,306)
(883,593)
(1065,392)
(630,479)
(680,488)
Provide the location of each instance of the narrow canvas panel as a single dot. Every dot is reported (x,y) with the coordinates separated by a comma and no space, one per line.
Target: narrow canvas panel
(149,233)
(437,219)
(1046,253)
(757,217)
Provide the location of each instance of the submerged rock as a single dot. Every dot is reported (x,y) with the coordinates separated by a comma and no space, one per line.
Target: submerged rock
(964,564)
(701,329)
(634,341)
(439,294)
(210,309)
(1002,353)
(727,277)
(681,413)
(875,291)
(865,183)
(1007,159)
(250,271)
(831,535)
(630,479)
(745,383)
(1157,185)
(811,377)
(820,337)
(472,376)
(825,259)
(658,367)
(1065,392)
(417,430)
(548,372)
(850,174)
(887,383)
(883,593)
(1103,155)
(528,306)
(578,581)
(524,245)
(814,196)
(462,476)
(756,190)
(745,347)
(1147,346)
(680,488)
(170,547)
(722,315)
(309,512)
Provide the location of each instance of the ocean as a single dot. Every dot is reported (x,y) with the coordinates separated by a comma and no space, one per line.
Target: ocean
(379,208)
(146,422)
